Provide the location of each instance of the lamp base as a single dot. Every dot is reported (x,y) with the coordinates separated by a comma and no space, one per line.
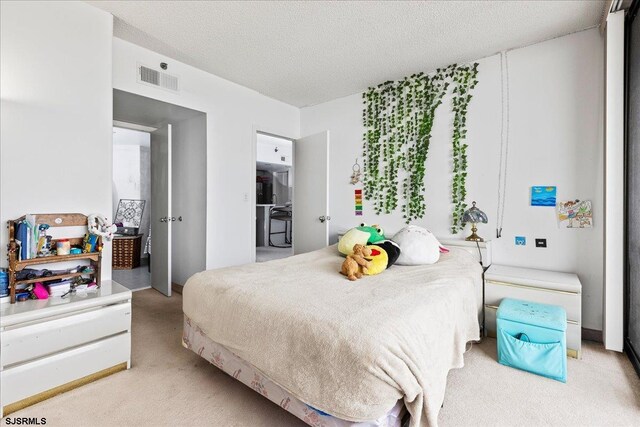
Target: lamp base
(474,237)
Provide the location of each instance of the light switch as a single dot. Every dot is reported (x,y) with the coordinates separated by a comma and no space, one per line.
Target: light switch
(541,243)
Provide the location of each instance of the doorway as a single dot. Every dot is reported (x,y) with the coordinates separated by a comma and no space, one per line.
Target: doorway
(274,196)
(131,201)
(301,223)
(171,244)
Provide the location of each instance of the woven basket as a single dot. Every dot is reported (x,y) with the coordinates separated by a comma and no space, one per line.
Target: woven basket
(126,253)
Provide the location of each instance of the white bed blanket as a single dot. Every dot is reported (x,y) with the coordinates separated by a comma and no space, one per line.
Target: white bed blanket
(351,349)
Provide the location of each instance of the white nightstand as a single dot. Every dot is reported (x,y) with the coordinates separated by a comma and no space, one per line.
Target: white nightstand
(528,284)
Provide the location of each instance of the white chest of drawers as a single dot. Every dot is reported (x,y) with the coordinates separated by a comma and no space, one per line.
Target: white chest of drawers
(547,287)
(50,346)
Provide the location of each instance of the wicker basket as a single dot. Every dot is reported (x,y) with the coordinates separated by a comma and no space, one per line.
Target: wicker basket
(126,252)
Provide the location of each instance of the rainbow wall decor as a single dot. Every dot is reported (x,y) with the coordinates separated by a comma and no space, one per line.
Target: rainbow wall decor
(358,199)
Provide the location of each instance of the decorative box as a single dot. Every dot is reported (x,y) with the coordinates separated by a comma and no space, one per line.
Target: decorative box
(532,337)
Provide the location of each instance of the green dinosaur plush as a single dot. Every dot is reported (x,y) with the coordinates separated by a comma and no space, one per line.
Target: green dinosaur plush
(376,234)
(363,235)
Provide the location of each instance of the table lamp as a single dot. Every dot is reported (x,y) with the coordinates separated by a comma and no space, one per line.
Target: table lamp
(474,216)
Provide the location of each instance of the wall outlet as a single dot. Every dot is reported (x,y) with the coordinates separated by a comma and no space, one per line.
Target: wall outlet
(541,243)
(521,241)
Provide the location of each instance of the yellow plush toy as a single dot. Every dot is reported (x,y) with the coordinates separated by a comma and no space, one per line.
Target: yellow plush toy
(378,260)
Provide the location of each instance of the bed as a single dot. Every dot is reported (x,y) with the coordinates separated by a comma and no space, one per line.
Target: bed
(335,352)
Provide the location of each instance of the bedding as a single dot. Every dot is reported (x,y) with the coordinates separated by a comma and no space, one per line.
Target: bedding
(194,339)
(349,349)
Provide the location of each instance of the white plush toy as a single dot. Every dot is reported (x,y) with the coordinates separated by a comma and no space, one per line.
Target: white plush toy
(418,246)
(97,224)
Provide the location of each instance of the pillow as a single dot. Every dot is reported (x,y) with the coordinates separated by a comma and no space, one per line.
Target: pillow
(362,235)
(350,239)
(379,260)
(418,246)
(392,249)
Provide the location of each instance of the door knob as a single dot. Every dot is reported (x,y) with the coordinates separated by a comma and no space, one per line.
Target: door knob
(163,219)
(180,218)
(322,218)
(173,218)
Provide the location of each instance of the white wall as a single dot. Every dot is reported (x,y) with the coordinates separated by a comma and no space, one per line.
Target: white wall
(556,138)
(614,190)
(55,149)
(233,114)
(189,198)
(126,173)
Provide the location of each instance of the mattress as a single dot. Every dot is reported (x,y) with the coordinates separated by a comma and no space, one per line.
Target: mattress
(194,339)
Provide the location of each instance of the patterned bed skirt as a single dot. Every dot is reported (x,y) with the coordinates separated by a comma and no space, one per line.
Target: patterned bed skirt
(194,339)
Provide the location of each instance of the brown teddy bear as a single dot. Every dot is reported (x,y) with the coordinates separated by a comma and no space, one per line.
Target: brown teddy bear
(355,265)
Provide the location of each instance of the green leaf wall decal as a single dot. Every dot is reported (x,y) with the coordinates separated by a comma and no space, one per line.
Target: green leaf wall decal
(398,118)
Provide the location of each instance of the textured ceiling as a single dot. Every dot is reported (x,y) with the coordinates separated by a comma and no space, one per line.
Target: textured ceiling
(305,53)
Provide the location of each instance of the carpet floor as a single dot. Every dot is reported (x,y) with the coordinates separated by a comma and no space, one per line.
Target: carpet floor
(169,385)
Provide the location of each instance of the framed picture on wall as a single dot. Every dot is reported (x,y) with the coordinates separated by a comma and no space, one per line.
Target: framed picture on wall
(543,195)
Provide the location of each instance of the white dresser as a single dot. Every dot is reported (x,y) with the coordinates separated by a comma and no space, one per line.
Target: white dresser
(547,287)
(50,346)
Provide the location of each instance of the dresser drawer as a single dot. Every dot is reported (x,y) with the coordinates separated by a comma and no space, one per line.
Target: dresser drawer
(24,342)
(495,291)
(574,331)
(29,379)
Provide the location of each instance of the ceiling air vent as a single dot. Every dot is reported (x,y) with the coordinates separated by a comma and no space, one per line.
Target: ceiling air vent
(156,78)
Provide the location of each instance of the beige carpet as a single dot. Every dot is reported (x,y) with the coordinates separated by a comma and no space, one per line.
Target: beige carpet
(169,385)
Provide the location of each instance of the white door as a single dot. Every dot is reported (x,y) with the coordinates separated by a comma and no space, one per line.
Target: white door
(161,209)
(311,193)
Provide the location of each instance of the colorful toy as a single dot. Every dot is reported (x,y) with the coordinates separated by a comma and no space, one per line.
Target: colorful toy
(379,260)
(363,235)
(356,264)
(383,256)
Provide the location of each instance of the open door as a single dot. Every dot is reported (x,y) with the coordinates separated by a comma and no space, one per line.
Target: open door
(311,193)
(160,217)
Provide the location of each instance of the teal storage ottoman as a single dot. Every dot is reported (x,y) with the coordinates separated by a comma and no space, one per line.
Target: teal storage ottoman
(532,337)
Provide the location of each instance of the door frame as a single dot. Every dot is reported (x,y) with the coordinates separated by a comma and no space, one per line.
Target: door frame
(128,122)
(632,353)
(252,189)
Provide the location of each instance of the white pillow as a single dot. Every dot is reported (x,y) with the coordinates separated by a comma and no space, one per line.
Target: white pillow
(418,246)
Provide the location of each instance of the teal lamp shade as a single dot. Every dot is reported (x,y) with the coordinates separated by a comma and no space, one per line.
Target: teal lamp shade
(474,216)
